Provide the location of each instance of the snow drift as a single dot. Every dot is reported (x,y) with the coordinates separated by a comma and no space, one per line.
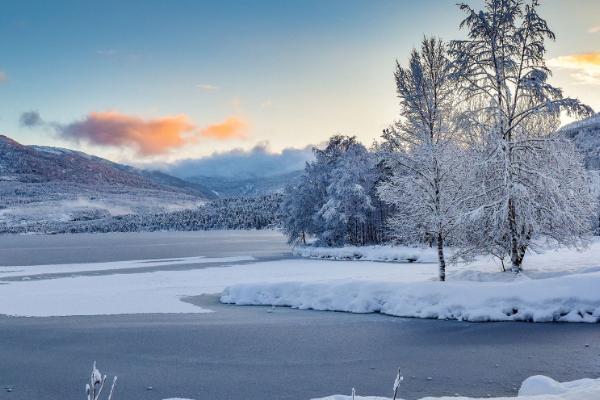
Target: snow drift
(573,298)
(370,253)
(537,387)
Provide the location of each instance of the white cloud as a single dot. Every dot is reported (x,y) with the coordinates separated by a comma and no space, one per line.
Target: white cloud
(584,68)
(207,87)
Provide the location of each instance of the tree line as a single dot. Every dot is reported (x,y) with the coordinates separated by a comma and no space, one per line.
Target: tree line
(260,212)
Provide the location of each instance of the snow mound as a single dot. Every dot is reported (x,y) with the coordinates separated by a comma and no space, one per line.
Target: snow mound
(573,298)
(370,253)
(541,385)
(537,387)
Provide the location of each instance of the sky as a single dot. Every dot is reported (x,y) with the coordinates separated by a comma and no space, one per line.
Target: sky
(153,82)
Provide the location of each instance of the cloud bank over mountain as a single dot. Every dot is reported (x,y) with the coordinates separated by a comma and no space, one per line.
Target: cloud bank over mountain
(256,162)
(145,136)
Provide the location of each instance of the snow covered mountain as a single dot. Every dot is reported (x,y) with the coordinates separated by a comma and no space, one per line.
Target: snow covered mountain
(586,135)
(40,185)
(225,187)
(37,164)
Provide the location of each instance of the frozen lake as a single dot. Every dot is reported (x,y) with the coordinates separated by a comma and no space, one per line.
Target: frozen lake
(258,353)
(79,248)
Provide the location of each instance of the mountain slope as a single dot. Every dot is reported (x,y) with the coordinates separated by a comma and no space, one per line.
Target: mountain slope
(232,187)
(38,164)
(47,185)
(586,136)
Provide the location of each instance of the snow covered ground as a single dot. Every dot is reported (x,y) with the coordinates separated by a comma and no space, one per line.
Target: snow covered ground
(537,387)
(556,286)
(126,288)
(369,253)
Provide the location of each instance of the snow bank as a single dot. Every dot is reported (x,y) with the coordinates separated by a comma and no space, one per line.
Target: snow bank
(573,298)
(370,253)
(129,288)
(540,385)
(537,387)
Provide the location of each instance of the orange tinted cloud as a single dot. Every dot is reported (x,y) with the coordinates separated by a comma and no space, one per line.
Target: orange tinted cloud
(594,29)
(584,67)
(231,128)
(145,136)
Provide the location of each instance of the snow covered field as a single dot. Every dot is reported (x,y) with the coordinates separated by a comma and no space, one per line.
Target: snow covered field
(556,286)
(125,288)
(537,387)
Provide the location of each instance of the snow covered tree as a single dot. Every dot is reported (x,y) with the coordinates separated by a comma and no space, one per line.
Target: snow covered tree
(348,211)
(428,180)
(344,175)
(530,180)
(297,209)
(335,199)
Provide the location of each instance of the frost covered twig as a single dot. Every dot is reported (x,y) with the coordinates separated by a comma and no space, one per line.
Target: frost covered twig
(97,380)
(397,382)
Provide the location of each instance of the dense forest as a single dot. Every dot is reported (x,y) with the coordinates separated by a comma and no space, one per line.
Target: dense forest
(235,213)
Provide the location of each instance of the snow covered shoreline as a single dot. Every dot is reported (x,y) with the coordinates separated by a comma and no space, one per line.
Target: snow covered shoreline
(369,253)
(558,285)
(536,387)
(573,298)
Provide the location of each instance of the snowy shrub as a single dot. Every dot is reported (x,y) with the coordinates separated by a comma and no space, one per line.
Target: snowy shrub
(93,390)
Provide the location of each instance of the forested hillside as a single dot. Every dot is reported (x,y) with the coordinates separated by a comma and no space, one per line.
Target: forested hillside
(237,213)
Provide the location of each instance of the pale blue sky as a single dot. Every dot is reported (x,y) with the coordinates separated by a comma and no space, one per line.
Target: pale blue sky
(294,72)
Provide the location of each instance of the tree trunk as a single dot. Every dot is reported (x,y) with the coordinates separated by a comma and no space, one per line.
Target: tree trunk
(442,260)
(517,260)
(517,252)
(518,256)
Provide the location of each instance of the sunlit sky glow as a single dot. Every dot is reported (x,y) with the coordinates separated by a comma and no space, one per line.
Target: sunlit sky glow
(147,81)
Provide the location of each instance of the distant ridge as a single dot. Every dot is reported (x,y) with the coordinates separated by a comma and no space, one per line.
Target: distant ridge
(586,136)
(37,164)
(243,187)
